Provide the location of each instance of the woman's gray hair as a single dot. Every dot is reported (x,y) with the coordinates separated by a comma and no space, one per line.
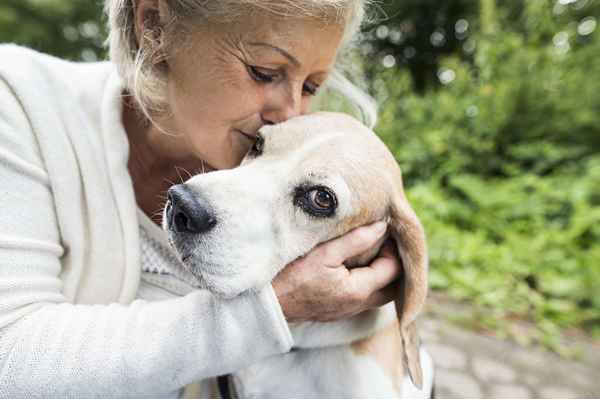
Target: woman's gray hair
(139,64)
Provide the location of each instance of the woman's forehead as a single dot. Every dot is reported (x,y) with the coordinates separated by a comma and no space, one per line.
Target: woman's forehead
(299,40)
(267,26)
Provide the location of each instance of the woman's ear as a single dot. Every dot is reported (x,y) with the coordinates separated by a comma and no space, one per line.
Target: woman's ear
(409,236)
(150,18)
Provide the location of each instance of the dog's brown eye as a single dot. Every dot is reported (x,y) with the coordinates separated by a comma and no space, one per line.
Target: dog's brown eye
(317,201)
(321,199)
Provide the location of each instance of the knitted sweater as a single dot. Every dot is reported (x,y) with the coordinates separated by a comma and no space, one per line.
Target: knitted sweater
(70,259)
(163,277)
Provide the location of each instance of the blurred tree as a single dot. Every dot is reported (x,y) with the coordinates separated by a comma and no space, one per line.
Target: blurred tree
(416,34)
(67,28)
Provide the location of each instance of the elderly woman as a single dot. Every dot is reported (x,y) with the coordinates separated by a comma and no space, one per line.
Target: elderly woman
(88,150)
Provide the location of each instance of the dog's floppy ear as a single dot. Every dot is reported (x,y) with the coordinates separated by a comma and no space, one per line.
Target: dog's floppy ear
(408,233)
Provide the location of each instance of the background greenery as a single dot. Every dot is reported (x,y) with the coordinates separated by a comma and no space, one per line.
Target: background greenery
(492,109)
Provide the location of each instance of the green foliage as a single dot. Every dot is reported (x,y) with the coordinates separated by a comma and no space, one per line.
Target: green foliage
(70,29)
(418,33)
(503,166)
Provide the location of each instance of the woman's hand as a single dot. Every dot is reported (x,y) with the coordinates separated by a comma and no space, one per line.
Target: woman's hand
(319,287)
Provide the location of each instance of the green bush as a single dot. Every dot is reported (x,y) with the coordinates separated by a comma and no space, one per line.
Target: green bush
(503,167)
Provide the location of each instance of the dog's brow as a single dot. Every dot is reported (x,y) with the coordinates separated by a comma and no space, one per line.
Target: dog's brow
(281,51)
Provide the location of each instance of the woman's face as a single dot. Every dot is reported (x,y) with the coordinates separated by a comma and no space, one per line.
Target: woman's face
(232,79)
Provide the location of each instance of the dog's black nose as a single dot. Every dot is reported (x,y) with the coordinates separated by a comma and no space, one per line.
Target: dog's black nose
(188,212)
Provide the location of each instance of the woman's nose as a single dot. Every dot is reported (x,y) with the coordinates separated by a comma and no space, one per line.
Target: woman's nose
(283,106)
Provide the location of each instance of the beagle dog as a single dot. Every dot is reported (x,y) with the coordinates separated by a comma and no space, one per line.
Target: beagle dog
(306,181)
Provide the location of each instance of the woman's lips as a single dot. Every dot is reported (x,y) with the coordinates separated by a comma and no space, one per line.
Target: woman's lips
(249,136)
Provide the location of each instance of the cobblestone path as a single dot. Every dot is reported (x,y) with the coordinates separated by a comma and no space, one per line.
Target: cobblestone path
(472,366)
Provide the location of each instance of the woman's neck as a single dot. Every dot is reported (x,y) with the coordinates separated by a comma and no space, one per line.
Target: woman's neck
(156,161)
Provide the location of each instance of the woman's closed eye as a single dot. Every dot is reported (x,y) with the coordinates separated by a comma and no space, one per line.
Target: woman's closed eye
(266,75)
(310,88)
(263,75)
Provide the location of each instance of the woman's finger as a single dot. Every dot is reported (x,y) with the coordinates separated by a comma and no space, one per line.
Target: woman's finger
(351,244)
(380,273)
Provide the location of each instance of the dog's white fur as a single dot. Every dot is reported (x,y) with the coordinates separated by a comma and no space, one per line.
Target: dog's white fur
(260,229)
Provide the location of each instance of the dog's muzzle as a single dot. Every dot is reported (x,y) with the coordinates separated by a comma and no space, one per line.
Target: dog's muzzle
(188,212)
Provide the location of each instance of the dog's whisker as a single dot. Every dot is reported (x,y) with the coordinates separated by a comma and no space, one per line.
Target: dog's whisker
(188,173)
(179,174)
(159,212)
(162,208)
(170,182)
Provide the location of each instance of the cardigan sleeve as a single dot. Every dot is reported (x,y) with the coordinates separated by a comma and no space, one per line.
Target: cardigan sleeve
(52,348)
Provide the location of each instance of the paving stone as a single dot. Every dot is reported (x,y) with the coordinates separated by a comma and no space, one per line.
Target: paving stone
(532,379)
(558,393)
(509,392)
(468,364)
(428,336)
(532,360)
(488,370)
(590,395)
(583,380)
(458,384)
(587,394)
(430,325)
(443,393)
(447,356)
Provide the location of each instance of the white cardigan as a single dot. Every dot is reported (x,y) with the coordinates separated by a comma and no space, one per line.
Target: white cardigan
(69,254)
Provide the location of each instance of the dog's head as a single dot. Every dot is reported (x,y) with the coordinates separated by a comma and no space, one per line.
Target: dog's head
(305,181)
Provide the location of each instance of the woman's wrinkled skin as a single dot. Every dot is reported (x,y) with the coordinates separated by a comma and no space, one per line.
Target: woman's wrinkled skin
(223,85)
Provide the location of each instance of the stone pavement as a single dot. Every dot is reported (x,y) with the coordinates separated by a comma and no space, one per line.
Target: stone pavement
(474,366)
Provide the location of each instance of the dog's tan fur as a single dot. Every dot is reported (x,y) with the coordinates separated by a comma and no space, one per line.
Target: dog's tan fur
(384,348)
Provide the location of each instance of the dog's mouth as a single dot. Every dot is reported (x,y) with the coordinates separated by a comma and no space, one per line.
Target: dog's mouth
(193,261)
(183,252)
